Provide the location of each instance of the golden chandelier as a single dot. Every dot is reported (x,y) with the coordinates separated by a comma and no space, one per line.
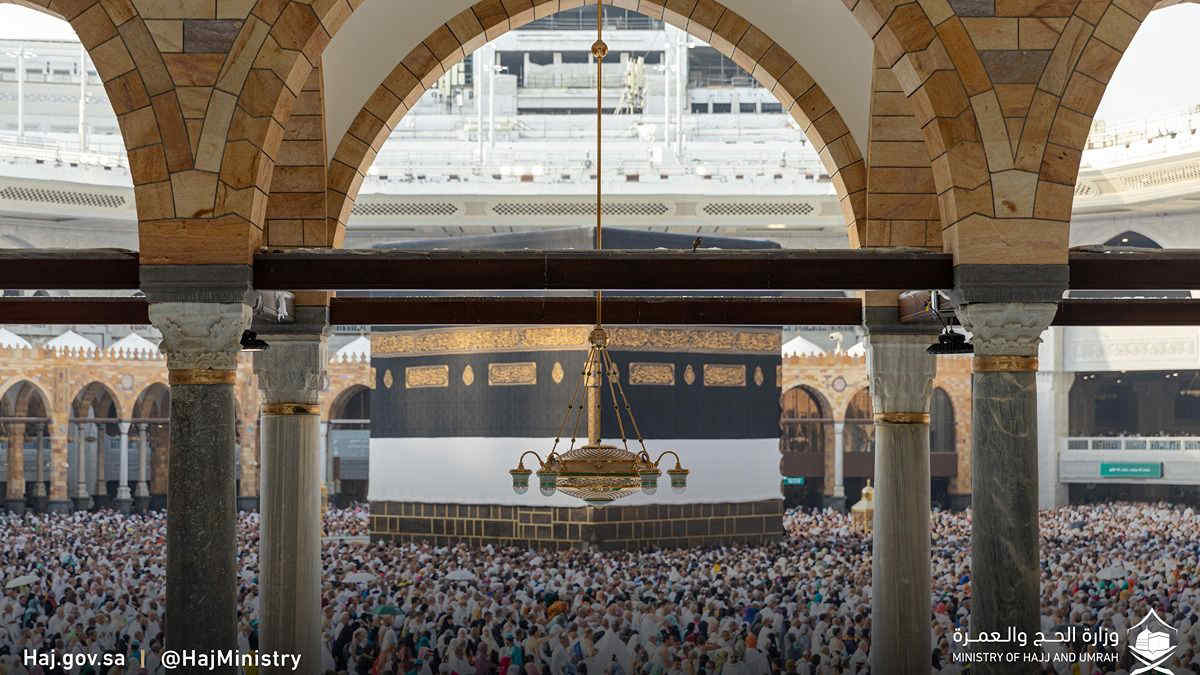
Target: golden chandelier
(595,472)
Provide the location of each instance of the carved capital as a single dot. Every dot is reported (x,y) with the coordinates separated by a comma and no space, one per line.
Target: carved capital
(200,335)
(901,372)
(1010,328)
(291,369)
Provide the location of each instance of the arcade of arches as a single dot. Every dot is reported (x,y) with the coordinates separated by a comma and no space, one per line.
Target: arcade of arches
(825,409)
(951,124)
(54,404)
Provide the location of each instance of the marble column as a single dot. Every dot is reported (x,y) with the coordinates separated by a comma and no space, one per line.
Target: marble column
(124,501)
(141,492)
(201,341)
(1005,575)
(15,481)
(248,480)
(84,435)
(290,374)
(326,467)
(901,375)
(838,500)
(59,502)
(160,450)
(1053,397)
(100,496)
(39,485)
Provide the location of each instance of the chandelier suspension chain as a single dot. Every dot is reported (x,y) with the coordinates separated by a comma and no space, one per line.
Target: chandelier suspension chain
(609,366)
(599,50)
(580,415)
(576,396)
(637,432)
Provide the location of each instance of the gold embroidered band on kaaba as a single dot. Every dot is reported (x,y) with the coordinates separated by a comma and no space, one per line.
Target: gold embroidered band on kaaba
(470,340)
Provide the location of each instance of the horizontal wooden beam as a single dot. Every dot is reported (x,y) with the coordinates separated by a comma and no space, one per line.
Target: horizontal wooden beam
(1118,268)
(702,310)
(690,310)
(1091,268)
(652,270)
(61,268)
(1128,312)
(74,310)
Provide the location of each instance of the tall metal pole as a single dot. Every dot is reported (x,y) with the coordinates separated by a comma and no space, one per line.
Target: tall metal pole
(477,64)
(82,99)
(681,105)
(491,102)
(20,91)
(599,51)
(667,92)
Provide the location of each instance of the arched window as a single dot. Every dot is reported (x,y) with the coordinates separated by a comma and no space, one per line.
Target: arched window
(802,421)
(859,433)
(941,422)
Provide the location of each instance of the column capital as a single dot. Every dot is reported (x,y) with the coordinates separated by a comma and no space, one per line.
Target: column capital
(200,335)
(1007,329)
(124,426)
(291,370)
(901,372)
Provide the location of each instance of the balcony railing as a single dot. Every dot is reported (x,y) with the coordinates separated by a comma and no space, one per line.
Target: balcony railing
(1134,443)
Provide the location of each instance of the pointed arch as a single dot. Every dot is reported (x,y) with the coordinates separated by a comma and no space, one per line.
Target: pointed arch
(139,88)
(768,62)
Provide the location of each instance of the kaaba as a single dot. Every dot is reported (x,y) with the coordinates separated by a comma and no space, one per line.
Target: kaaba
(455,407)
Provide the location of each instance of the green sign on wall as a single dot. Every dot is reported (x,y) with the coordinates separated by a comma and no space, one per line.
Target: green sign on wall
(793,480)
(1131,469)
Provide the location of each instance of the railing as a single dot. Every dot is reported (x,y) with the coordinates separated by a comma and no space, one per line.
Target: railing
(1120,443)
(12,148)
(587,21)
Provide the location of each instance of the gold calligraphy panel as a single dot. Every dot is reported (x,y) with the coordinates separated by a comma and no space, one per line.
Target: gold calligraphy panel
(418,377)
(507,374)
(724,375)
(652,373)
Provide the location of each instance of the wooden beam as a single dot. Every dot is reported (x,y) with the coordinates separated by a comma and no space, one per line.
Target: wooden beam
(693,310)
(62,268)
(1091,268)
(652,270)
(704,310)
(1131,312)
(74,310)
(1120,268)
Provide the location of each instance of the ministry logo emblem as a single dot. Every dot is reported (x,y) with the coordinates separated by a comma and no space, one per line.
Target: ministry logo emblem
(1152,642)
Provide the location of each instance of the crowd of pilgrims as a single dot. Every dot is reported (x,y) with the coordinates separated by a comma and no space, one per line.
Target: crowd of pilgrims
(798,606)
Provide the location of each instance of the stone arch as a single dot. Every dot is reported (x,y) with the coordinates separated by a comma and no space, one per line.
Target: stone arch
(942,429)
(792,405)
(940,84)
(338,406)
(277,49)
(154,401)
(858,434)
(724,29)
(92,393)
(140,90)
(18,398)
